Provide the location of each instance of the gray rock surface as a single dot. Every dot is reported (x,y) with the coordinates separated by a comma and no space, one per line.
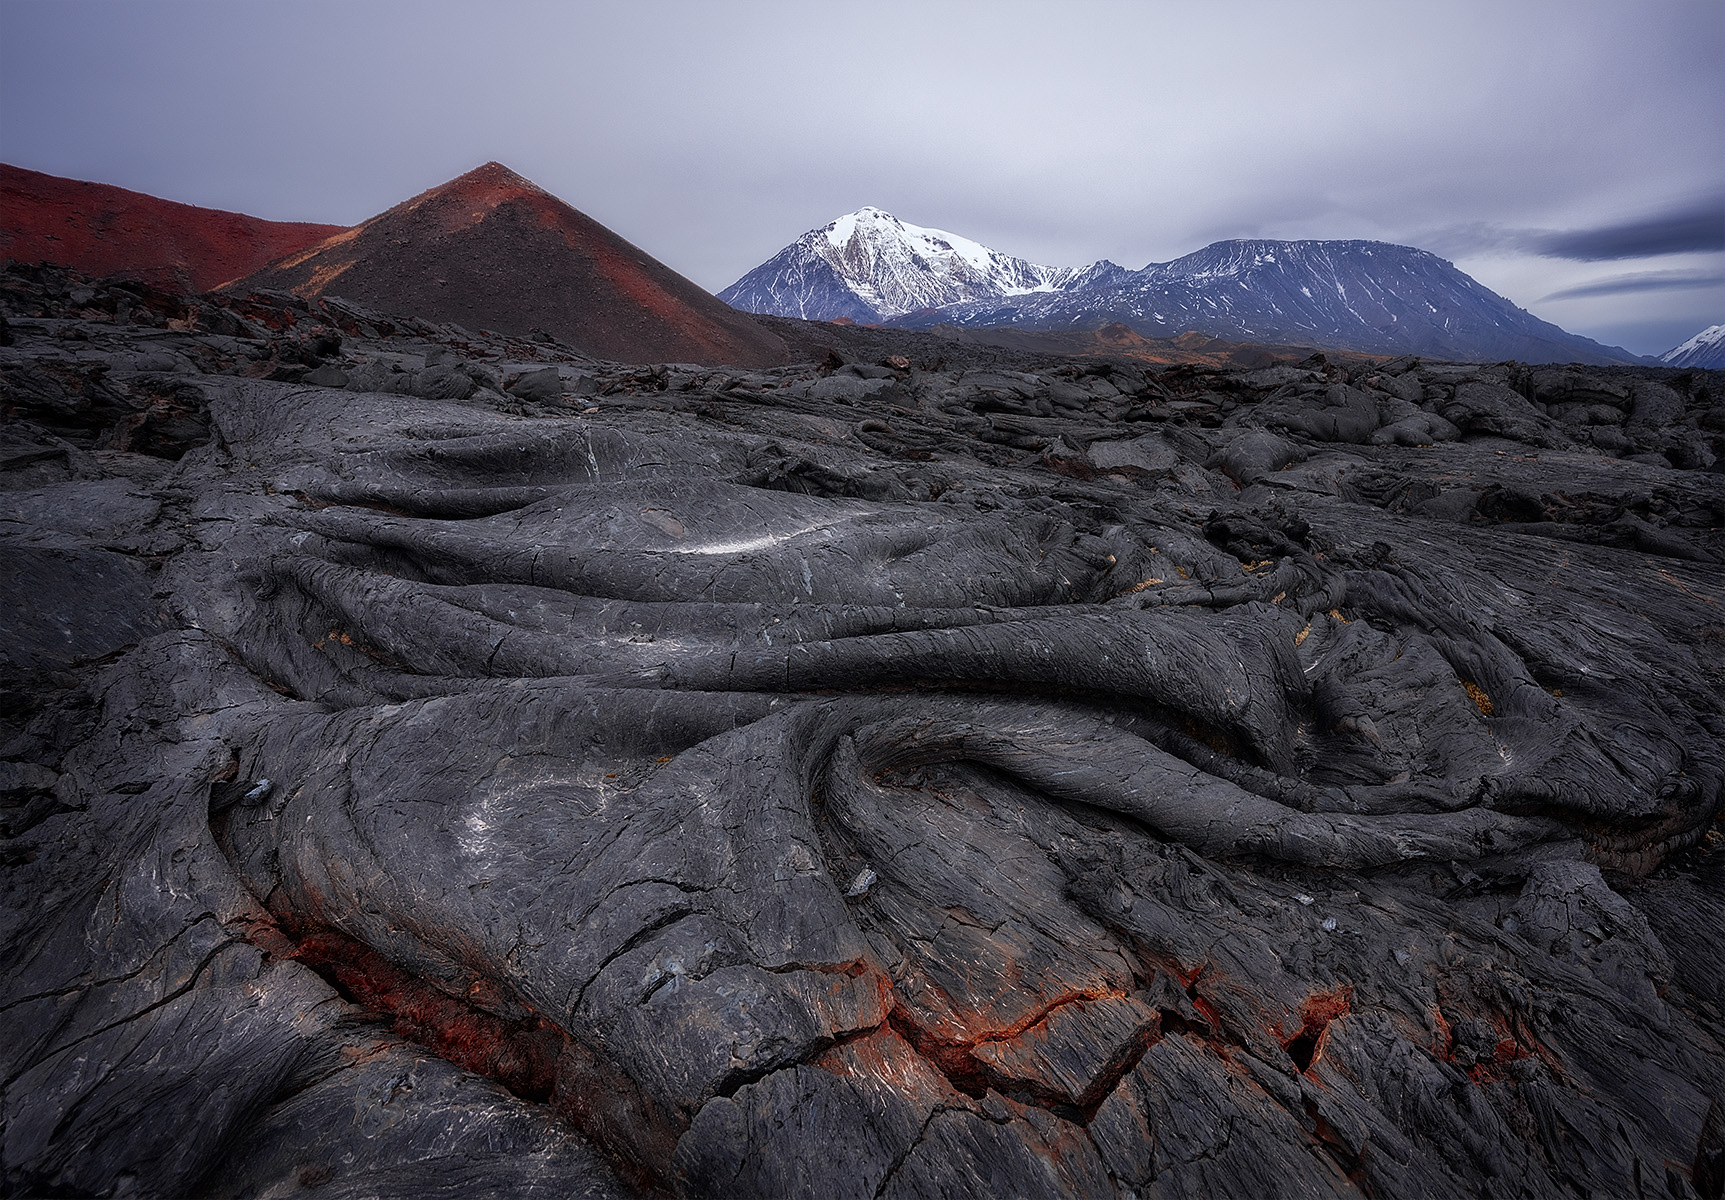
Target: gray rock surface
(1009,776)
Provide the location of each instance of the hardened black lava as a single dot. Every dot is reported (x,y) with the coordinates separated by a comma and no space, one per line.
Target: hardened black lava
(439,763)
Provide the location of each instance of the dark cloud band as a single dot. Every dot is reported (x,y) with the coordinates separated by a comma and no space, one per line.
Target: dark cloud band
(1698,228)
(1641,281)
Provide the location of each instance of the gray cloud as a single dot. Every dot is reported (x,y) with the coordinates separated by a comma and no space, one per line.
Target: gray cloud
(1698,227)
(1691,227)
(1640,281)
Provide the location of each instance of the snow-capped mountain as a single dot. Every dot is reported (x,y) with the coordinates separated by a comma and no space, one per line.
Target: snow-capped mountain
(1350,295)
(1705,349)
(870,266)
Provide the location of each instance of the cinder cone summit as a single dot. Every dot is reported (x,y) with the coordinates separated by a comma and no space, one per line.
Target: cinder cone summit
(492,250)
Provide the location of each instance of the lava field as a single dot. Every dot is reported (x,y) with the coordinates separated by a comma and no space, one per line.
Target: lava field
(440,763)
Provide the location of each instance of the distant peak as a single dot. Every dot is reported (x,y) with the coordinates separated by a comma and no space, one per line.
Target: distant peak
(1705,349)
(475,195)
(491,177)
(840,229)
(495,170)
(871,264)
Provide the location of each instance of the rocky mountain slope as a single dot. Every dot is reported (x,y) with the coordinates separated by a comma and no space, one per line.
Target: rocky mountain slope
(443,764)
(490,250)
(103,230)
(869,266)
(1705,349)
(1369,297)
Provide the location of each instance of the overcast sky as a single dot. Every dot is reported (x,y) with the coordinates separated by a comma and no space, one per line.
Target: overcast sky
(1568,155)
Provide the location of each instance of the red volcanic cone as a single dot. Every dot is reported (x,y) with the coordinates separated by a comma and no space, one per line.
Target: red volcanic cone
(490,250)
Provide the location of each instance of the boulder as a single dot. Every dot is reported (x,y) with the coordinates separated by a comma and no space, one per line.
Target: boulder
(1417,429)
(1341,414)
(1149,453)
(1484,407)
(1653,407)
(543,384)
(1254,454)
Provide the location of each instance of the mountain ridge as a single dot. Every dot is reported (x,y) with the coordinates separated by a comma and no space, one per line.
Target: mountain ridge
(1364,296)
(103,230)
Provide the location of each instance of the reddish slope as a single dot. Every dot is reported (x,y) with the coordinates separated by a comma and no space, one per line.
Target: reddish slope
(490,250)
(102,230)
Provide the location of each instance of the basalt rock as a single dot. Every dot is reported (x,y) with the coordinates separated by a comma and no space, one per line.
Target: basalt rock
(553,776)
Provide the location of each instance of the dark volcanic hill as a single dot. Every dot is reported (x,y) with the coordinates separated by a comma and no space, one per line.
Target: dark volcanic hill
(491,250)
(1371,297)
(103,230)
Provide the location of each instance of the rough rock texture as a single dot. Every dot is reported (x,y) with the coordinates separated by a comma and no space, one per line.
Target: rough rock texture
(490,250)
(104,230)
(445,765)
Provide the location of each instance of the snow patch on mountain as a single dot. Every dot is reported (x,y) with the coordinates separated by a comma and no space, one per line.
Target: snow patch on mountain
(1705,349)
(868,265)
